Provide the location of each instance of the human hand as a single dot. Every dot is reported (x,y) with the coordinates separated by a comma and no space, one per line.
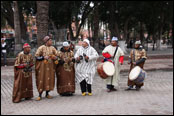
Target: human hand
(120,63)
(24,64)
(46,57)
(86,57)
(54,57)
(134,63)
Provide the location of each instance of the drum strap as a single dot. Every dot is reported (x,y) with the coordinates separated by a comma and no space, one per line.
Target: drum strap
(114,57)
(115,51)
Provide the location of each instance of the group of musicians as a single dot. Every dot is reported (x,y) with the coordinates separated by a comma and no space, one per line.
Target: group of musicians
(69,68)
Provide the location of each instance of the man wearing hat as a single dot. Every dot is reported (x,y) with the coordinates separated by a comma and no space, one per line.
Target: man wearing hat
(46,55)
(85,67)
(137,58)
(23,87)
(65,71)
(113,53)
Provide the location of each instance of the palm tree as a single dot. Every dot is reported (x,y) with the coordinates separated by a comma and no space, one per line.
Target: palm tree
(42,20)
(18,41)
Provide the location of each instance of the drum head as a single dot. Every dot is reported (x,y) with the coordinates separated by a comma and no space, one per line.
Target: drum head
(134,73)
(109,68)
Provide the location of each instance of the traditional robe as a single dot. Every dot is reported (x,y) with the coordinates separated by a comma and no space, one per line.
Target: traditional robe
(23,87)
(108,52)
(86,70)
(65,73)
(139,56)
(45,71)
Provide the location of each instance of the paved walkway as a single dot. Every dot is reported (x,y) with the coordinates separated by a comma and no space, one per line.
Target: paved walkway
(155,98)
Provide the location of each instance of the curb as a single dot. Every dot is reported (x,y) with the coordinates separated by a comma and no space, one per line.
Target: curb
(152,69)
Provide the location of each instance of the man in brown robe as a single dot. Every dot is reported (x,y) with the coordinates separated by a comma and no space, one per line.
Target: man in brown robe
(137,58)
(46,56)
(23,87)
(65,71)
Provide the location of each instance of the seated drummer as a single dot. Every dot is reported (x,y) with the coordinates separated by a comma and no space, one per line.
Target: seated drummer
(137,58)
(113,53)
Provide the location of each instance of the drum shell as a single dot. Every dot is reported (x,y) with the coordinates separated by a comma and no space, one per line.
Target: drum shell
(140,78)
(101,72)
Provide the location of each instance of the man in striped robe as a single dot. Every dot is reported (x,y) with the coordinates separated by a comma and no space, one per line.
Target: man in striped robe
(85,67)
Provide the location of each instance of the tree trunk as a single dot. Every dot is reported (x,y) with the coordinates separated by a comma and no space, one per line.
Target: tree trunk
(55,31)
(141,33)
(96,29)
(89,29)
(71,32)
(116,29)
(160,32)
(113,22)
(23,26)
(42,21)
(126,31)
(18,42)
(8,13)
(172,34)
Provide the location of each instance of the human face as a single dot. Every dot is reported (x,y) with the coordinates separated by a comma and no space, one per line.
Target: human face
(2,41)
(84,44)
(137,46)
(27,50)
(66,48)
(49,42)
(114,43)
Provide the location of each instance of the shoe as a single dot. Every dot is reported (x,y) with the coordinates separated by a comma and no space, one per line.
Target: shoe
(83,94)
(90,94)
(137,88)
(109,90)
(129,88)
(38,98)
(28,98)
(113,89)
(49,97)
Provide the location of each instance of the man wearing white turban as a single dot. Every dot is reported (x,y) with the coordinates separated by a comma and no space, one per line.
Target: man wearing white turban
(65,71)
(114,54)
(137,57)
(85,66)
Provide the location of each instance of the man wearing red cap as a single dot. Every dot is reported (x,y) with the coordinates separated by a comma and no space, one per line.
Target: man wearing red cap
(23,87)
(46,55)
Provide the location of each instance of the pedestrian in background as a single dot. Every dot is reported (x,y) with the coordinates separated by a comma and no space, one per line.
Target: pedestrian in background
(4,51)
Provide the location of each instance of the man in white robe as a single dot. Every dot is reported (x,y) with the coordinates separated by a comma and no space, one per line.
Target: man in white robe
(108,53)
(85,67)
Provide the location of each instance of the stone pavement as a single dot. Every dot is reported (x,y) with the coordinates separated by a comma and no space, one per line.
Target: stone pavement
(155,97)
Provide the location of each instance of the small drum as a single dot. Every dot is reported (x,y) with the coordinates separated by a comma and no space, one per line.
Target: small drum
(137,75)
(106,69)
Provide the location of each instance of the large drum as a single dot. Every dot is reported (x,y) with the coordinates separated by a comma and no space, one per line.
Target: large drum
(137,75)
(106,69)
